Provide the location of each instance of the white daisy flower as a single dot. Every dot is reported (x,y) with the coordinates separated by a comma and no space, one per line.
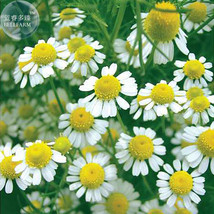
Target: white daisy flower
(201,152)
(38,160)
(199,13)
(38,62)
(139,151)
(69,17)
(61,33)
(180,183)
(121,200)
(158,99)
(162,28)
(107,90)
(80,126)
(92,176)
(194,71)
(7,169)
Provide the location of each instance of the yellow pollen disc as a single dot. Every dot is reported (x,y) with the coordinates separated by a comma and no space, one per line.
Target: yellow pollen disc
(107,87)
(84,53)
(194,69)
(31,133)
(162,26)
(62,144)
(54,108)
(81,120)
(107,138)
(198,12)
(43,54)
(181,183)
(117,203)
(155,211)
(75,43)
(199,104)
(182,211)
(65,33)
(68,13)
(38,155)
(26,111)
(89,149)
(162,94)
(3,37)
(92,175)
(36,204)
(3,128)
(65,202)
(206,143)
(194,92)
(141,147)
(129,49)
(7,62)
(7,168)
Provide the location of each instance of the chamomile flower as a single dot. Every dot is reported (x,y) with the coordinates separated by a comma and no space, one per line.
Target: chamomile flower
(201,150)
(94,150)
(7,169)
(62,144)
(107,90)
(139,151)
(121,200)
(162,28)
(158,99)
(80,126)
(193,71)
(69,17)
(199,13)
(91,177)
(39,61)
(61,33)
(180,184)
(38,159)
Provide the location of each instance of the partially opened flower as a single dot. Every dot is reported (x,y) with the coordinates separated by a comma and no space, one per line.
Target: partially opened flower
(91,177)
(180,184)
(107,90)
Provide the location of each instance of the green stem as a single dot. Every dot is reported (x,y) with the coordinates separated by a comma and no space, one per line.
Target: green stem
(49,16)
(112,141)
(147,185)
(163,124)
(121,122)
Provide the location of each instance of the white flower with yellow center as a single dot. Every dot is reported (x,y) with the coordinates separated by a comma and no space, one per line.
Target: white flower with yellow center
(80,125)
(201,150)
(92,176)
(193,71)
(162,28)
(158,99)
(38,62)
(139,151)
(69,17)
(123,200)
(180,184)
(107,90)
(38,159)
(7,169)
(199,12)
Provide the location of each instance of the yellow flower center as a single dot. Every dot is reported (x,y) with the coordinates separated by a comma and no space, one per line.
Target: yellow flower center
(182,211)
(181,183)
(3,128)
(194,92)
(194,69)
(160,25)
(129,49)
(81,120)
(43,54)
(200,103)
(54,108)
(75,43)
(26,111)
(22,64)
(89,149)
(65,202)
(31,133)
(35,203)
(65,33)
(206,143)
(92,175)
(62,144)
(155,211)
(198,12)
(68,13)
(140,98)
(141,147)
(185,144)
(38,155)
(117,203)
(7,168)
(7,62)
(162,93)
(107,87)
(107,138)
(84,53)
